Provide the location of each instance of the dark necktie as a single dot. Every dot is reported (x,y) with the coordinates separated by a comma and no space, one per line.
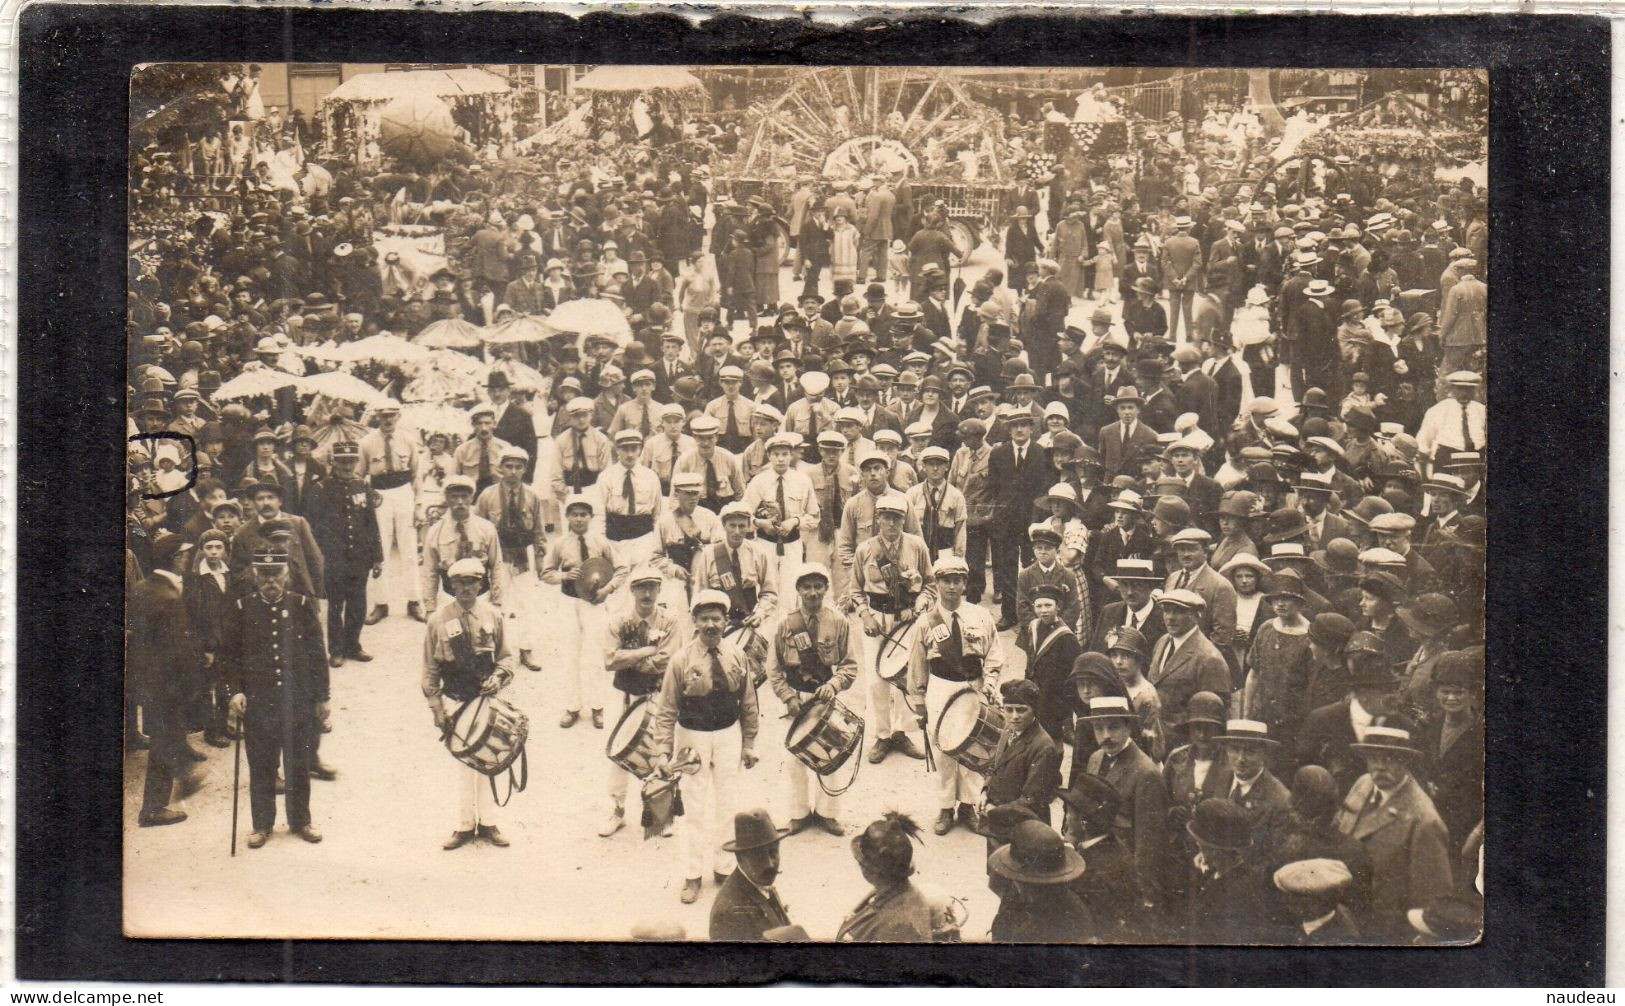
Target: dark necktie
(1466,432)
(581,540)
(1133,620)
(485,466)
(812,421)
(389,458)
(1184,579)
(510,516)
(733,420)
(719,680)
(782,514)
(1019,453)
(712,488)
(931,505)
(643,424)
(953,651)
(581,462)
(463,547)
(629,493)
(739,571)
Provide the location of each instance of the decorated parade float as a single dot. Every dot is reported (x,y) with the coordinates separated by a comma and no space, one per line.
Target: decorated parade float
(415,116)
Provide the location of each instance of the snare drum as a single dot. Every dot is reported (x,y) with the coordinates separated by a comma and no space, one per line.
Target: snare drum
(968,730)
(892,653)
(488,734)
(632,744)
(753,645)
(824,735)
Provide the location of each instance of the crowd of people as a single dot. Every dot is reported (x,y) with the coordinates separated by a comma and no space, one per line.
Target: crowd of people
(1186,490)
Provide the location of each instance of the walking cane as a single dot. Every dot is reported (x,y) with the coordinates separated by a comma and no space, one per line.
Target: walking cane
(236,786)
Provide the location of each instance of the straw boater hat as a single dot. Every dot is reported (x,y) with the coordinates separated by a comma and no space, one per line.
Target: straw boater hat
(1248,732)
(1387,735)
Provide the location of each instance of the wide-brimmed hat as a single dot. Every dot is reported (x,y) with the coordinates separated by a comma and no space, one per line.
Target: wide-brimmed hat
(753,829)
(1285,583)
(1331,630)
(1248,732)
(1110,707)
(1285,524)
(1388,735)
(1429,614)
(1037,854)
(1221,824)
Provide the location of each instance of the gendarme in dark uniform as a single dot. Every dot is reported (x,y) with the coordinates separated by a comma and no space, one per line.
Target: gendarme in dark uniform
(276,666)
(341,515)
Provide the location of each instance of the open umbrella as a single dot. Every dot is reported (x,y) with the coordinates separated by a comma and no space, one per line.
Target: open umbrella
(385,348)
(521,328)
(253,383)
(429,418)
(449,333)
(345,387)
(521,376)
(327,352)
(417,127)
(592,316)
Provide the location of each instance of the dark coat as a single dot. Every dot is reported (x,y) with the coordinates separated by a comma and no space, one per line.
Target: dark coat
(1114,459)
(1014,490)
(346,530)
(274,653)
(1324,740)
(1114,616)
(206,604)
(1455,778)
(519,429)
(1048,669)
(1141,824)
(162,658)
(742,913)
(1026,770)
(1042,913)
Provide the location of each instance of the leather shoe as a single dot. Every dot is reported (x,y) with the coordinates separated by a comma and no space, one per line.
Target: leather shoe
(257,838)
(378,613)
(598,719)
(361,655)
(1006,624)
(569,719)
(336,660)
(945,823)
(529,664)
(457,840)
(691,890)
(415,611)
(904,745)
(161,817)
(829,824)
(326,773)
(215,740)
(879,749)
(194,754)
(720,878)
(490,833)
(800,824)
(309,834)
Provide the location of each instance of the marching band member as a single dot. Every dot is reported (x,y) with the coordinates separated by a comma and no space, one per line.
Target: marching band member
(631,499)
(583,451)
(892,584)
(793,501)
(737,567)
(637,650)
(460,534)
(516,510)
(938,505)
(956,647)
(581,653)
(719,470)
(705,694)
(389,461)
(669,443)
(812,660)
(466,654)
(683,528)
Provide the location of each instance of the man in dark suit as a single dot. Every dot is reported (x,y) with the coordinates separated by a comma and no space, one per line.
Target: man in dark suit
(1329,733)
(1135,577)
(514,425)
(1197,392)
(1185,661)
(163,664)
(669,368)
(276,668)
(747,906)
(1121,442)
(266,526)
(1019,474)
(1253,788)
(341,516)
(1141,821)
(1041,329)
(1201,491)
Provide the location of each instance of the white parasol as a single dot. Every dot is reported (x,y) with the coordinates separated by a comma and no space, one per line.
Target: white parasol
(428,418)
(346,387)
(254,383)
(385,348)
(520,375)
(521,328)
(449,333)
(592,316)
(638,78)
(327,352)
(446,376)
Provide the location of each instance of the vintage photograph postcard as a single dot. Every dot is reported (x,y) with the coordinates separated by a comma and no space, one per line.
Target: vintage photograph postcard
(819,503)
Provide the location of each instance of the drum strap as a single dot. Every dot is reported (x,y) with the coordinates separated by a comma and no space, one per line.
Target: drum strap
(514,786)
(857,766)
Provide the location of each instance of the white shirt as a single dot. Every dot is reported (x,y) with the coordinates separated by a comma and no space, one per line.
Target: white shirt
(1312,925)
(1359,719)
(1441,426)
(1199,770)
(800,500)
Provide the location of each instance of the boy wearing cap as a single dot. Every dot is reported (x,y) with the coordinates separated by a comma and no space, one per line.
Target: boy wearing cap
(718,468)
(1388,812)
(516,512)
(466,655)
(1046,570)
(706,692)
(581,453)
(341,517)
(631,500)
(638,647)
(812,660)
(764,424)
(956,646)
(580,649)
(786,508)
(479,455)
(891,582)
(460,534)
(275,666)
(1051,647)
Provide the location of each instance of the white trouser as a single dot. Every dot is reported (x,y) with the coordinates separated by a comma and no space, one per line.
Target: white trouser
(955,782)
(620,778)
(520,597)
(803,783)
(781,569)
(888,711)
(709,798)
(475,805)
(634,552)
(399,537)
(581,637)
